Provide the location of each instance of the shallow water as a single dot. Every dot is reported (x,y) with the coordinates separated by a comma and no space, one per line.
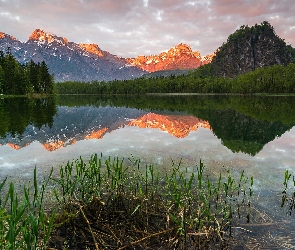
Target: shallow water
(241,134)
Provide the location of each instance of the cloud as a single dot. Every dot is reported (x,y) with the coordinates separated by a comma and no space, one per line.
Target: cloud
(137,27)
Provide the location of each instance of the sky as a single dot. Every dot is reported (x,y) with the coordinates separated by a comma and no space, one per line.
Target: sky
(129,28)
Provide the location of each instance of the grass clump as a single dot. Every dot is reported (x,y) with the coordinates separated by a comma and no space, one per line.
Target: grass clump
(114,203)
(108,204)
(288,194)
(24,223)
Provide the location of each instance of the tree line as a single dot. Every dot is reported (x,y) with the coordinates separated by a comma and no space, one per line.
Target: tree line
(18,79)
(272,79)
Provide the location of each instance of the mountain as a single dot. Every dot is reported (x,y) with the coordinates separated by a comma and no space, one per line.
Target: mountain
(179,57)
(247,49)
(69,60)
(250,48)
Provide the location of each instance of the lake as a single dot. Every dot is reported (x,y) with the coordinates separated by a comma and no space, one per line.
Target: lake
(255,134)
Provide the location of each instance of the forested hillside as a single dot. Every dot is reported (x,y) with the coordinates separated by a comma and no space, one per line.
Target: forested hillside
(250,48)
(273,79)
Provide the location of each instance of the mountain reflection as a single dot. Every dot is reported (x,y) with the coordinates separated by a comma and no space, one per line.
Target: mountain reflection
(97,134)
(177,125)
(243,124)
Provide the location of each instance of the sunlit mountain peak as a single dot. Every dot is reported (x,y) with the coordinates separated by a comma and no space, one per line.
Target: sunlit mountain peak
(92,48)
(179,57)
(42,36)
(3,35)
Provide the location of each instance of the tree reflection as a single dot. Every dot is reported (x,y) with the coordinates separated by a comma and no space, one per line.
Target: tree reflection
(17,113)
(243,123)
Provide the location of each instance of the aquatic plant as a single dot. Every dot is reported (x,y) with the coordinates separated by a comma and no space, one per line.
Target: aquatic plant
(24,223)
(288,194)
(112,203)
(125,204)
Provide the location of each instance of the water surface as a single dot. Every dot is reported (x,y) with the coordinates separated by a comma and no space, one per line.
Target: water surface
(254,134)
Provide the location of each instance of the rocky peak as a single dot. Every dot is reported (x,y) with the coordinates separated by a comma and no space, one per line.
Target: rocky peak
(91,48)
(179,57)
(197,54)
(250,48)
(180,49)
(42,36)
(208,58)
(3,35)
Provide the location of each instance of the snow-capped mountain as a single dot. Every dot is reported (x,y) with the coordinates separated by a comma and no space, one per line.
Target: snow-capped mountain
(87,62)
(69,60)
(178,57)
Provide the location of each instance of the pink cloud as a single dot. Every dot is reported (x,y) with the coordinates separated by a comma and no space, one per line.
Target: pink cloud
(141,27)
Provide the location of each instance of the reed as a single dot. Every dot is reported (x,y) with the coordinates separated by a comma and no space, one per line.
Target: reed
(288,194)
(24,222)
(117,203)
(187,204)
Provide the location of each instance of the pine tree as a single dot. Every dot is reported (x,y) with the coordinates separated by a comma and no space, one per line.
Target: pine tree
(9,64)
(46,79)
(1,79)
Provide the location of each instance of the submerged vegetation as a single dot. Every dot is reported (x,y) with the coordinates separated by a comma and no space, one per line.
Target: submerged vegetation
(115,204)
(24,223)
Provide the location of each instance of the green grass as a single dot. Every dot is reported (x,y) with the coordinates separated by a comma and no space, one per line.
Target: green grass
(114,203)
(288,194)
(23,221)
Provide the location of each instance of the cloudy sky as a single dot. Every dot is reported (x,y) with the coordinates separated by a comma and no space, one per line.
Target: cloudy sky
(129,28)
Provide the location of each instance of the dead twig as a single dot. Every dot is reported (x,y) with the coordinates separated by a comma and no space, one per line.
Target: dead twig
(147,237)
(88,224)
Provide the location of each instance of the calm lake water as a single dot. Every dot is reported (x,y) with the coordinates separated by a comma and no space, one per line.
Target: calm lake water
(255,134)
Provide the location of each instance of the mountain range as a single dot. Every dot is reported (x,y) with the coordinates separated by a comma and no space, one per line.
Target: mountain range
(69,61)
(179,57)
(247,49)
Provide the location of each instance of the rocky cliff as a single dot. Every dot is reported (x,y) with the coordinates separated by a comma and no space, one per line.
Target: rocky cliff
(249,48)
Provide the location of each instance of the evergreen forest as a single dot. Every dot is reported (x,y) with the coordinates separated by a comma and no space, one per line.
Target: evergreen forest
(17,79)
(272,79)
